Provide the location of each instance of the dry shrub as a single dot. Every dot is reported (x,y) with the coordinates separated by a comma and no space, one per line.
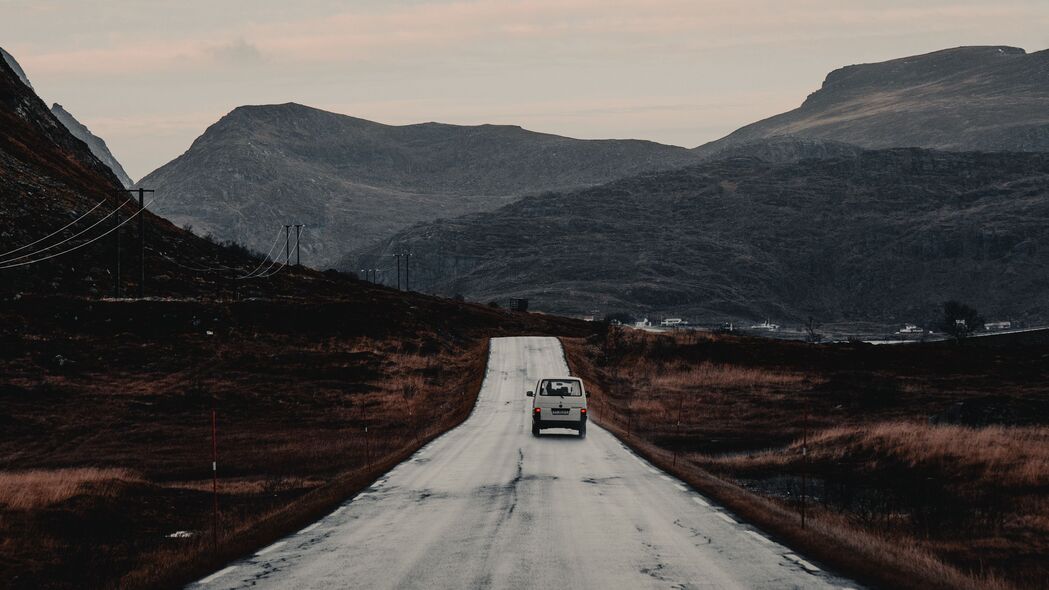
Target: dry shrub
(39,488)
(998,455)
(721,376)
(248,485)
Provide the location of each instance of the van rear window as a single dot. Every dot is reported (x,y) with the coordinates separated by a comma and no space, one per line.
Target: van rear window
(560,388)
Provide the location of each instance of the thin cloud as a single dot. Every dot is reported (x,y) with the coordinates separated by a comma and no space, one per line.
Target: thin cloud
(426,30)
(239,52)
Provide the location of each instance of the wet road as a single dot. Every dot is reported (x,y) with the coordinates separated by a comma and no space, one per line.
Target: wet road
(487,505)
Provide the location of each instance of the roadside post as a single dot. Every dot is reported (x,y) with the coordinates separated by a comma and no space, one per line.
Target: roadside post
(214,480)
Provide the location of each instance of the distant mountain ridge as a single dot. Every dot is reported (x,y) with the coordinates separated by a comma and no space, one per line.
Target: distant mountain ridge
(962,99)
(876,236)
(15,67)
(96,144)
(354,181)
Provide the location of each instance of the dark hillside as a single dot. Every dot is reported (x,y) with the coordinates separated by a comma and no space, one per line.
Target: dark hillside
(882,236)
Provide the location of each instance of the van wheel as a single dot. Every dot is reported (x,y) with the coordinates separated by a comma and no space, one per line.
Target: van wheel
(535,429)
(582,430)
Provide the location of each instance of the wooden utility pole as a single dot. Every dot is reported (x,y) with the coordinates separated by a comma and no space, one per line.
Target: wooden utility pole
(116,250)
(287,244)
(298,230)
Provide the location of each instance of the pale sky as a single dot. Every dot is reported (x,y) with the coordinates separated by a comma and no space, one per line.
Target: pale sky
(149,76)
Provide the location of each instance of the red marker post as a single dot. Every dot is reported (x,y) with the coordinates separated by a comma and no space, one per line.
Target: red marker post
(214,480)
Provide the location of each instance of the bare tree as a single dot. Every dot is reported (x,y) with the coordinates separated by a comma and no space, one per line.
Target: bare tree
(812,334)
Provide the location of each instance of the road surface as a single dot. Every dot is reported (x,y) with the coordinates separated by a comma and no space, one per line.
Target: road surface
(487,505)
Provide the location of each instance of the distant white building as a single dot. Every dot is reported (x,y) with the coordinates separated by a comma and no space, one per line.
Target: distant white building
(993,326)
(643,323)
(766,326)
(671,322)
(910,329)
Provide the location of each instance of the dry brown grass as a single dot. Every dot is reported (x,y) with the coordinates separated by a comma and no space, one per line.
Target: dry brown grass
(892,499)
(707,375)
(988,456)
(39,488)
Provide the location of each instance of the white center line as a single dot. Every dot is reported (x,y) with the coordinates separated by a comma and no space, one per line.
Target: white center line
(218,574)
(310,528)
(726,518)
(681,487)
(272,548)
(700,501)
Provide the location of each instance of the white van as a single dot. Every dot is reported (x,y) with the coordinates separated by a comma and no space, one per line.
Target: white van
(559,402)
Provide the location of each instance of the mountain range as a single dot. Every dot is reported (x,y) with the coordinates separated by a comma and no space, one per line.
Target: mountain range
(962,99)
(493,211)
(882,236)
(353,181)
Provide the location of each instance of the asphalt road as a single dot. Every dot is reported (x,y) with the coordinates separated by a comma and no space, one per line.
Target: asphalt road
(487,505)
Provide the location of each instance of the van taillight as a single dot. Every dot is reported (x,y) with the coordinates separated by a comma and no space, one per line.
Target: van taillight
(582,410)
(537,410)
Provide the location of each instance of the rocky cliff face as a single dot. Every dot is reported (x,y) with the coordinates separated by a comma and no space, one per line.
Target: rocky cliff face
(880,236)
(354,181)
(963,99)
(97,146)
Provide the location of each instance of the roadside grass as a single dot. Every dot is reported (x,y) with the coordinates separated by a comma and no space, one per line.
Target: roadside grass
(39,488)
(890,498)
(105,454)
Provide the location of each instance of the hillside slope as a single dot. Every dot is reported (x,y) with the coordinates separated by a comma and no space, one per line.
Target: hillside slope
(884,235)
(95,143)
(354,181)
(60,205)
(962,99)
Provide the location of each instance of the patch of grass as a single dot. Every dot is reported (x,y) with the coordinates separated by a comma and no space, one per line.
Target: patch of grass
(39,488)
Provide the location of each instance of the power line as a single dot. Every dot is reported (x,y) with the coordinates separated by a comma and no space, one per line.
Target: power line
(77,247)
(56,232)
(282,267)
(72,237)
(264,260)
(287,253)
